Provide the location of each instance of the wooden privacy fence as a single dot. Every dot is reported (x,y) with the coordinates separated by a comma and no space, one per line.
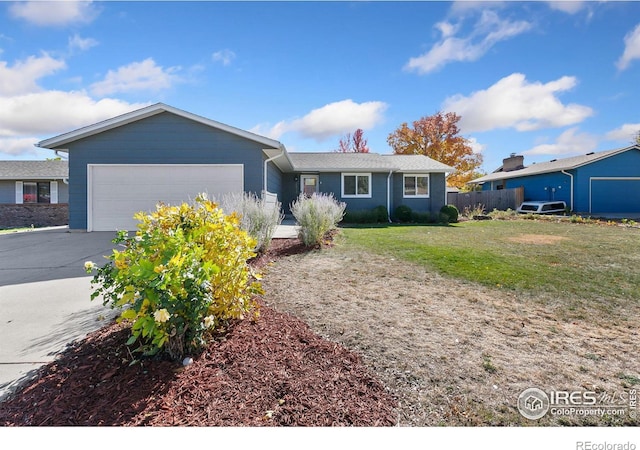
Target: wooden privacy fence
(502,199)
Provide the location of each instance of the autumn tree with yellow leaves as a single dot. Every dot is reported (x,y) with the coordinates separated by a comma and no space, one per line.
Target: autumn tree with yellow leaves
(437,137)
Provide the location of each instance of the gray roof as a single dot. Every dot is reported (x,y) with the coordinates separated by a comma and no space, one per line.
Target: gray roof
(555,165)
(34,170)
(370,162)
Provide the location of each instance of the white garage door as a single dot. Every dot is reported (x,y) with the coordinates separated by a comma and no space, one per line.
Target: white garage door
(116,192)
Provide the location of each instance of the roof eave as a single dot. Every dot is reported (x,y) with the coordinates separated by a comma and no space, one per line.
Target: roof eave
(55,143)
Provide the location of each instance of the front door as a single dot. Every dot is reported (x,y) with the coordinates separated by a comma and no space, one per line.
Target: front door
(309,184)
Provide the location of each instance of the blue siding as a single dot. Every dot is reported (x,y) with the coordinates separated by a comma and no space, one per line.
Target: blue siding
(437,189)
(332,183)
(274,180)
(545,187)
(626,164)
(161,139)
(7,191)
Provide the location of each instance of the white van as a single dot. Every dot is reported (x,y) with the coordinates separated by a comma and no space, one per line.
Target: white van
(540,207)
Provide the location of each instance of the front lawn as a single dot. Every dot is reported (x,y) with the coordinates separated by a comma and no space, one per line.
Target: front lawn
(598,264)
(459,321)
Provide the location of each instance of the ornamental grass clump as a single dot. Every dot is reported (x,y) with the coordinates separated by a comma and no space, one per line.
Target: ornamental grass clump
(258,217)
(316,215)
(182,277)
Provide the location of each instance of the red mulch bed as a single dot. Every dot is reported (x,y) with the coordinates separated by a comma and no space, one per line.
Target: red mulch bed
(273,372)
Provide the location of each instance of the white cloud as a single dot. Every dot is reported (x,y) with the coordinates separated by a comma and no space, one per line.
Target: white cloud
(626,133)
(55,112)
(78,43)
(631,48)
(18,146)
(23,75)
(330,120)
(513,102)
(54,13)
(138,76)
(488,31)
(28,111)
(475,145)
(568,6)
(225,56)
(568,143)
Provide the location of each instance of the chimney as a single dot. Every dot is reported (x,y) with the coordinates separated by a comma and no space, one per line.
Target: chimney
(513,162)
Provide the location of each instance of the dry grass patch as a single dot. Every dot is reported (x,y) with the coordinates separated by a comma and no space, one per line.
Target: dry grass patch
(452,352)
(537,239)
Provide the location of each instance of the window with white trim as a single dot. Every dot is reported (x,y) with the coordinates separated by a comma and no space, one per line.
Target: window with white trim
(416,185)
(356,185)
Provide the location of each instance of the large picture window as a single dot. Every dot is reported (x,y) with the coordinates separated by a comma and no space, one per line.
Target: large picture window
(356,185)
(416,185)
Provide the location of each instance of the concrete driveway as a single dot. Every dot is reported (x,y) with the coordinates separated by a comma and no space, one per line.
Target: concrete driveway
(45,297)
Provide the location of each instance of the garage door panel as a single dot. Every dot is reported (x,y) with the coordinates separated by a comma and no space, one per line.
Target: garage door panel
(615,195)
(117,192)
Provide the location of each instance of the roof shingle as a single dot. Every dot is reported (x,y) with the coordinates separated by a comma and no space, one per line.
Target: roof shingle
(33,170)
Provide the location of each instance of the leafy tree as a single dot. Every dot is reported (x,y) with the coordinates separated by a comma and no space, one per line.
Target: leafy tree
(636,138)
(355,143)
(437,137)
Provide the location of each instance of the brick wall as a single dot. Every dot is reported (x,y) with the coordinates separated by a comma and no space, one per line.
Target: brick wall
(38,215)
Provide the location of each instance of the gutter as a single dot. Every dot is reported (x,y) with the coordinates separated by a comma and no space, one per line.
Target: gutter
(266,162)
(389,196)
(570,176)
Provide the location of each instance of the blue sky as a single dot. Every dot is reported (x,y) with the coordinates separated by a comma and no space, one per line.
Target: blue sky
(543,79)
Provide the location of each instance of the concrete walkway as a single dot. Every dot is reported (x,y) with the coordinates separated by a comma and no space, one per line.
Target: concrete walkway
(288,229)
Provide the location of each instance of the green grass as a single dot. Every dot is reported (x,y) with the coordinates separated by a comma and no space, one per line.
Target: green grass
(592,262)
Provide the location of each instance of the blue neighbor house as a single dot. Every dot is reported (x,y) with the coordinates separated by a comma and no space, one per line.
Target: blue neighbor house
(598,183)
(160,153)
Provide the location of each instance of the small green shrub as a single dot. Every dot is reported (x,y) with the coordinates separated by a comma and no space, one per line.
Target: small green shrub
(381,213)
(375,215)
(451,211)
(183,276)
(422,217)
(316,215)
(402,213)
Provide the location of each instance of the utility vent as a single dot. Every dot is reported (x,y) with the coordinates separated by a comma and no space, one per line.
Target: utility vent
(553,160)
(590,153)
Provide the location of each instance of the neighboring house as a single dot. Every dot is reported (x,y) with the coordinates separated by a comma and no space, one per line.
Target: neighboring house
(33,193)
(602,183)
(160,153)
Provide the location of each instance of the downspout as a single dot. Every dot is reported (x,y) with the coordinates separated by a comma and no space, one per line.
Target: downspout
(266,162)
(389,195)
(570,176)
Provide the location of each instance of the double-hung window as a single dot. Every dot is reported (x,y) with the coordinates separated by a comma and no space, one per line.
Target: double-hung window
(416,186)
(356,185)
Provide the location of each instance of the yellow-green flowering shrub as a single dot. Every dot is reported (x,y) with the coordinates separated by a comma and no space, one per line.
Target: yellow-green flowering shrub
(182,276)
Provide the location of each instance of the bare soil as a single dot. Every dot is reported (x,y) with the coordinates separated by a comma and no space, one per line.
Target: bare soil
(456,353)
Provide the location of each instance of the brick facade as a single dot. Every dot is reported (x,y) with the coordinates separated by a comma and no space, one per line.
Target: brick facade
(37,215)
